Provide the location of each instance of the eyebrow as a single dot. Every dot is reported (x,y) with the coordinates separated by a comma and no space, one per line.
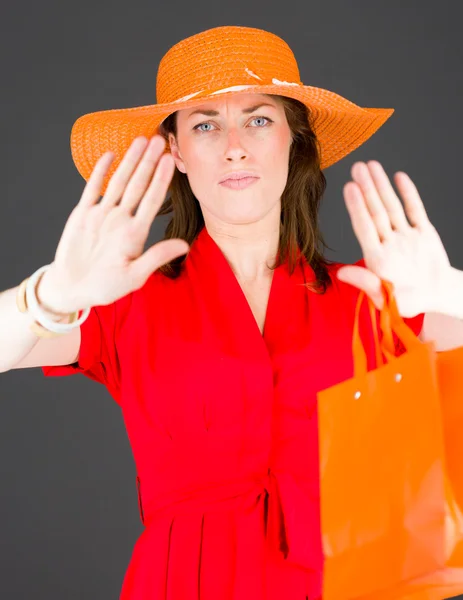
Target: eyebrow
(215,113)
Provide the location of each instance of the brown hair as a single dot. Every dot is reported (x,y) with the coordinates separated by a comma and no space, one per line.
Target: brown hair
(300,201)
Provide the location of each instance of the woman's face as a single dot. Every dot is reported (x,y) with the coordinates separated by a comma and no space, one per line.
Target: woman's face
(242,133)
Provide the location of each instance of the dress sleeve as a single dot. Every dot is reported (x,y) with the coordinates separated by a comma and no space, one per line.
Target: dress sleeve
(98,355)
(415,323)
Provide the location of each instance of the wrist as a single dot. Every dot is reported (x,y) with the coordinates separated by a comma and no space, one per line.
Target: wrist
(51,296)
(451,294)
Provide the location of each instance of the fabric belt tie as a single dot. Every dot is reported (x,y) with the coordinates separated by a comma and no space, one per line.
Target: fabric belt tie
(291,522)
(291,516)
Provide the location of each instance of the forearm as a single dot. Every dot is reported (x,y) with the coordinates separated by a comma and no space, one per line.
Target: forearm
(16,338)
(451,301)
(445,327)
(445,331)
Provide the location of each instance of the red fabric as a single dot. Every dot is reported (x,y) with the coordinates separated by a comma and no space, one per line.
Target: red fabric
(99,347)
(223,425)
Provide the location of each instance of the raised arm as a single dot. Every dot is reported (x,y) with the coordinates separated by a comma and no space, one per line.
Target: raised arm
(100,255)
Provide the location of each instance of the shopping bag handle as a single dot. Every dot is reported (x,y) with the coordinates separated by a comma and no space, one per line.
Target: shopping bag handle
(358,350)
(390,321)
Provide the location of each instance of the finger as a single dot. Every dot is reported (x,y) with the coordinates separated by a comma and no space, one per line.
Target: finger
(94,185)
(365,280)
(156,256)
(156,193)
(387,193)
(362,222)
(143,174)
(414,206)
(375,204)
(123,173)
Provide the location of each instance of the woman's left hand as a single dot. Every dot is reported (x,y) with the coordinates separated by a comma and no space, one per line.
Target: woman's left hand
(408,253)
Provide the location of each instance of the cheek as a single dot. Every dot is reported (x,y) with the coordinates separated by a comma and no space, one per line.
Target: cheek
(276,159)
(202,166)
(202,172)
(193,157)
(198,154)
(277,144)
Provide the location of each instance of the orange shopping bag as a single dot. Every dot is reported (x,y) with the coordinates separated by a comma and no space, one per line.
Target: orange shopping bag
(450,382)
(450,376)
(389,520)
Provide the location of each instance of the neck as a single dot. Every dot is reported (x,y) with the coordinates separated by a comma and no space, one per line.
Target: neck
(249,249)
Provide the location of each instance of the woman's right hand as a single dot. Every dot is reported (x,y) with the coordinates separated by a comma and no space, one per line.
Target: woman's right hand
(100,255)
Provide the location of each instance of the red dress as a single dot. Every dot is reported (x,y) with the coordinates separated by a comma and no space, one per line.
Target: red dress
(222,423)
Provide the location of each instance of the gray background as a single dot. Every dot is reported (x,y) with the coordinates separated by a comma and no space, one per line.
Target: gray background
(68,504)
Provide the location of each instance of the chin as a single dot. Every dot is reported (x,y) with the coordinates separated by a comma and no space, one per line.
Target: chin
(240,208)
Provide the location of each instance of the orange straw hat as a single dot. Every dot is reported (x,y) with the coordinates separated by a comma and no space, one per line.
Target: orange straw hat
(217,63)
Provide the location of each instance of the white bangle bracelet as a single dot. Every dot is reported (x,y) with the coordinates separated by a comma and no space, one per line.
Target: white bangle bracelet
(36,311)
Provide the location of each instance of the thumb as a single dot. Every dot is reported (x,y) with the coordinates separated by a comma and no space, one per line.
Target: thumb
(365,280)
(157,255)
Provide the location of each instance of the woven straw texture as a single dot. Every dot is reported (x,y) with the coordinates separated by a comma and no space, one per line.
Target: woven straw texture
(200,68)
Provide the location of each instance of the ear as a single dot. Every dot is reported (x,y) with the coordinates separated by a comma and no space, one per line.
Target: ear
(176,154)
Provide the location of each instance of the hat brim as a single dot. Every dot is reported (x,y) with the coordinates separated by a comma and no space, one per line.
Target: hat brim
(340,125)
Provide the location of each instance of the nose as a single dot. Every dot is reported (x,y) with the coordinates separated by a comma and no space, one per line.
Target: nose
(235,150)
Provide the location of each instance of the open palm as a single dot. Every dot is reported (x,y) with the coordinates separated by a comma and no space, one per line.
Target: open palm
(400,246)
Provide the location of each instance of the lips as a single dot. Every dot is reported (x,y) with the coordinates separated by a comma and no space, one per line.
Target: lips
(238,175)
(239,184)
(239,180)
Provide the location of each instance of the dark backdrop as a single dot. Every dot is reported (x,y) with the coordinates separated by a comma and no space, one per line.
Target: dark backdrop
(68,504)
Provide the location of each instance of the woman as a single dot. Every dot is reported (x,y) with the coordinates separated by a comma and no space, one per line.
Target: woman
(215,349)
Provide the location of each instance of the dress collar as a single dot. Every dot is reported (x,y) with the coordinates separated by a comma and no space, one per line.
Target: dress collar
(228,307)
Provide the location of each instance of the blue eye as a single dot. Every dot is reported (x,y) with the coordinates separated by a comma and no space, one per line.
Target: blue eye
(199,126)
(262,119)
